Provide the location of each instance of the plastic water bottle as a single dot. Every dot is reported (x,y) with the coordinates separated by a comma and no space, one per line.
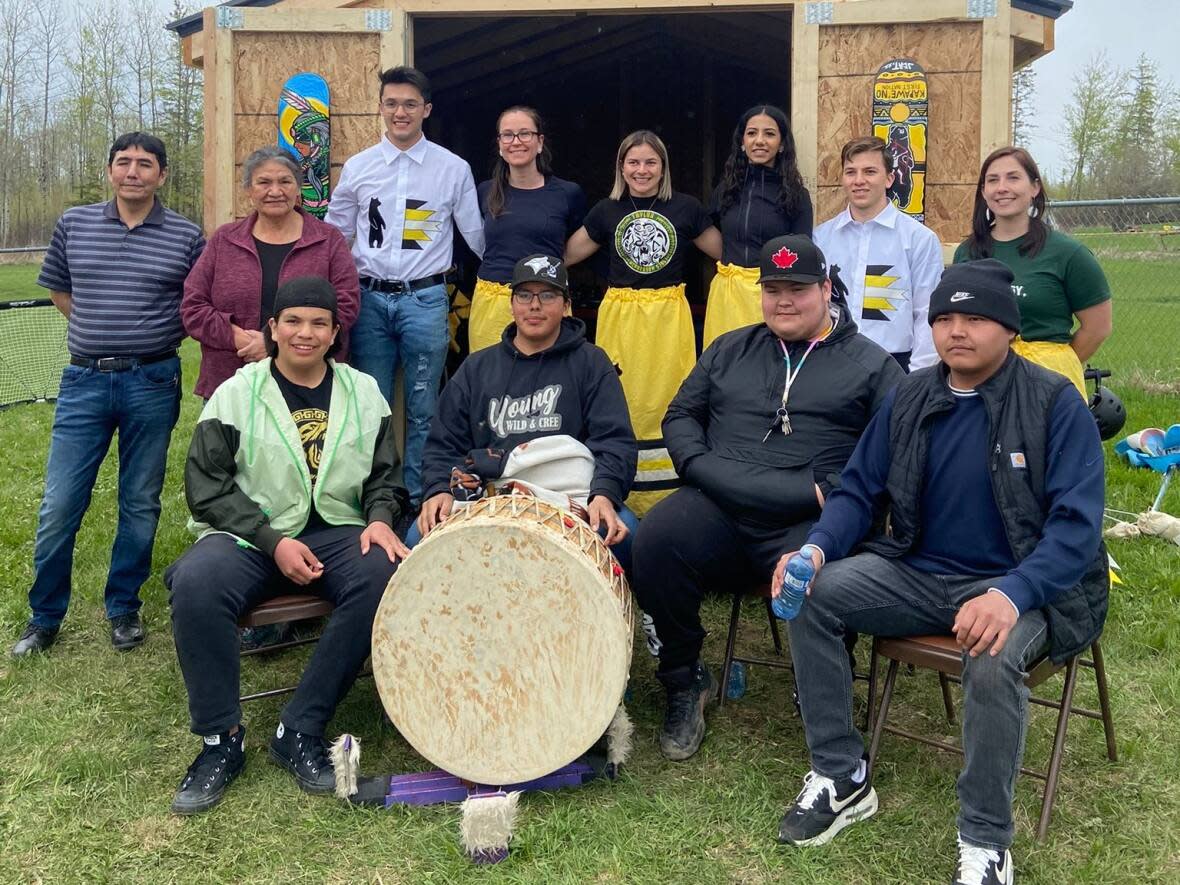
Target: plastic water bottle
(736,687)
(796,579)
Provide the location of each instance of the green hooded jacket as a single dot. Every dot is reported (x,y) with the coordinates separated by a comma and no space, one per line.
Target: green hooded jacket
(246,474)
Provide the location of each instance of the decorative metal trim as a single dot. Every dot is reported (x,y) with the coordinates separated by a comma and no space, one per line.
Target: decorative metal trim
(981,8)
(378,19)
(818,14)
(230,17)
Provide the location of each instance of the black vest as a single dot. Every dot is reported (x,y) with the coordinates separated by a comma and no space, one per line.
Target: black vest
(1019,400)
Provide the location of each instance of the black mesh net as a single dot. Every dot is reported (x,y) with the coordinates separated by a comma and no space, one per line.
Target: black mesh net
(32,351)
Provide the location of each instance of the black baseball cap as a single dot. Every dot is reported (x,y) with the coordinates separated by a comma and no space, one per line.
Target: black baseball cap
(305,292)
(541,268)
(794,258)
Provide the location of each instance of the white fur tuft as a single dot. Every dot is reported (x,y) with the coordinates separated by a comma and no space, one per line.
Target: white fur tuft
(346,761)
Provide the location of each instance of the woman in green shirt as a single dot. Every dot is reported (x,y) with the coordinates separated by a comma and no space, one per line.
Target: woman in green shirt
(1057,278)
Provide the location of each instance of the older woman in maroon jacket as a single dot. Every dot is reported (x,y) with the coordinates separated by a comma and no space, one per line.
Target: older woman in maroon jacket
(229,292)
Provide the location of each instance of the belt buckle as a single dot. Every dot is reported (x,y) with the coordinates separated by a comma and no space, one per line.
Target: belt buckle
(109,363)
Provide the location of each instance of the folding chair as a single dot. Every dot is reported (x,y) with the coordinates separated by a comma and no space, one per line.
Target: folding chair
(942,654)
(280,609)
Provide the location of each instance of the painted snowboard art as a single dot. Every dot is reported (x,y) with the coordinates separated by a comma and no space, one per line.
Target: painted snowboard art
(305,133)
(901,116)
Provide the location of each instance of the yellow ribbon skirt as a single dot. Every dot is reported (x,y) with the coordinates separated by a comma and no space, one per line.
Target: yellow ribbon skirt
(491,311)
(1061,358)
(735,300)
(648,333)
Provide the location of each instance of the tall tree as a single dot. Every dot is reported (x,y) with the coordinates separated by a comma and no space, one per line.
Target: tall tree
(1088,119)
(15,48)
(1024,88)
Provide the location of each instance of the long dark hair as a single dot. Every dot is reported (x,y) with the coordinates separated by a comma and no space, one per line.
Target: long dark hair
(737,166)
(498,193)
(980,244)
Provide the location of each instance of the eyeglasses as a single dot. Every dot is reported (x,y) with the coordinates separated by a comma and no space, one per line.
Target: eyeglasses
(410,105)
(526,136)
(545,296)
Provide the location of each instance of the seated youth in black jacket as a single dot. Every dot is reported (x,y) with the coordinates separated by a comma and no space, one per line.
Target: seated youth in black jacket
(759,432)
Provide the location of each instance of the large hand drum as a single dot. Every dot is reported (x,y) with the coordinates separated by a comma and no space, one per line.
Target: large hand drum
(502,645)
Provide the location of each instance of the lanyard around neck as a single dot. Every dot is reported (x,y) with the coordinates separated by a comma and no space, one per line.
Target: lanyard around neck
(781,418)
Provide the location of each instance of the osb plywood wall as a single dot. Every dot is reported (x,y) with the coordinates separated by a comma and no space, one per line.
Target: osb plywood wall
(262,64)
(951,53)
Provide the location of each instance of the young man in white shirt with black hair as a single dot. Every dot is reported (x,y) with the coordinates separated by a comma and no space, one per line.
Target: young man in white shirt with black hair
(890,261)
(397,203)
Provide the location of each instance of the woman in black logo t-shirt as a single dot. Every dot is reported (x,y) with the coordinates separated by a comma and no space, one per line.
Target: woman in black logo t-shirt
(644,323)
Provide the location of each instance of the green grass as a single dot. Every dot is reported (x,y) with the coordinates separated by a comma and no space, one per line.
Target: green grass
(19,281)
(95,742)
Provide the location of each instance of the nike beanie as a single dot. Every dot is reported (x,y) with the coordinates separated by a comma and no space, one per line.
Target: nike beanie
(981,288)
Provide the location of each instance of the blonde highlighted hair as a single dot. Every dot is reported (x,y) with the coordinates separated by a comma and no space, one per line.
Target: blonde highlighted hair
(635,139)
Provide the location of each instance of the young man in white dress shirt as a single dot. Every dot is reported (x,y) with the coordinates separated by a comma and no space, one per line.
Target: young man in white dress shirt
(890,261)
(398,203)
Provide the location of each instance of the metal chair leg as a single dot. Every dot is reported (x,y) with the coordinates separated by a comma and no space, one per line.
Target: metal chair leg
(886,698)
(774,632)
(730,643)
(872,698)
(1071,675)
(1104,701)
(946,697)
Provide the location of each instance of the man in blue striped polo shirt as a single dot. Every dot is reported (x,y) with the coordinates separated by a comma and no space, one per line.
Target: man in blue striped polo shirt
(116,271)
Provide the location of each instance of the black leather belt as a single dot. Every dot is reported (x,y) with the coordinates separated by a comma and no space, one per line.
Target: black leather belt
(400,287)
(120,363)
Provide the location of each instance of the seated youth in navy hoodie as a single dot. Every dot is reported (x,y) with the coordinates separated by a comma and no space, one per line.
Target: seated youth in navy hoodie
(543,379)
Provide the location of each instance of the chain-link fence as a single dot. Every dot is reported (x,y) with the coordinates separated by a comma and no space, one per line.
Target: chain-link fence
(1137,242)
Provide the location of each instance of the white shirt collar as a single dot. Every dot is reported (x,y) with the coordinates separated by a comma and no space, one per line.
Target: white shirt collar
(391,152)
(887,217)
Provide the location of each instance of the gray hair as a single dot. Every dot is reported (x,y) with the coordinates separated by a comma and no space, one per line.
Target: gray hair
(269,154)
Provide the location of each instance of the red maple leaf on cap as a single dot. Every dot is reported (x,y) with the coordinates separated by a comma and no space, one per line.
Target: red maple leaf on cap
(784,258)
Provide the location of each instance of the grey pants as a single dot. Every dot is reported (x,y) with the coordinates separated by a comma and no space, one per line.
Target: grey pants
(884,597)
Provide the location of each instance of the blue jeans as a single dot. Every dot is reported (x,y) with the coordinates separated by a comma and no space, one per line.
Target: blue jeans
(885,597)
(621,550)
(409,330)
(142,404)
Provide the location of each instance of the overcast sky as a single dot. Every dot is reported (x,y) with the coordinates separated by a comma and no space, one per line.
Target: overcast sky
(1124,28)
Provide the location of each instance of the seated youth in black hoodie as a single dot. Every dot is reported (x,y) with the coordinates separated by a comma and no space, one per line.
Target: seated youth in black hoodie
(543,379)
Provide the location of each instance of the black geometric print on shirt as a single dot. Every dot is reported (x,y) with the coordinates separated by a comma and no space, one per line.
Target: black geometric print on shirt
(313,428)
(880,300)
(418,227)
(376,225)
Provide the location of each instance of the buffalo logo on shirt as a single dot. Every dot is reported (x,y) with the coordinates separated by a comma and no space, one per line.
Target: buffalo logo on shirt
(313,426)
(532,413)
(646,241)
(419,226)
(881,299)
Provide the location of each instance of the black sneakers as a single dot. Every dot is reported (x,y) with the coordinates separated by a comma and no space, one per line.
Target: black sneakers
(220,761)
(690,689)
(34,639)
(824,807)
(127,631)
(983,866)
(306,757)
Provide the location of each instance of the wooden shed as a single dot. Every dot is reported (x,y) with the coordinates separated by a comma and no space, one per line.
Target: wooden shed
(596,69)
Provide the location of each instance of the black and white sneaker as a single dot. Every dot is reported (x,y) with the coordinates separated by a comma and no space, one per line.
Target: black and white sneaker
(220,761)
(824,807)
(306,757)
(983,866)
